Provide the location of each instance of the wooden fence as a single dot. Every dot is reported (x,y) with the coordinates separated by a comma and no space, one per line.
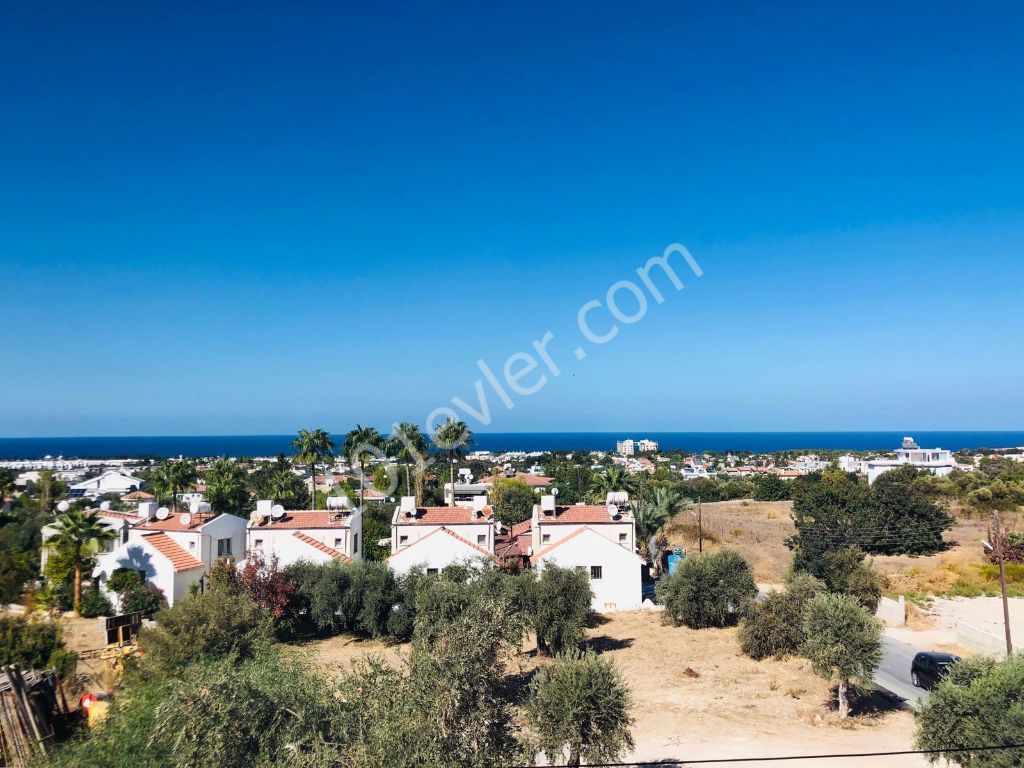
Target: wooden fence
(32,704)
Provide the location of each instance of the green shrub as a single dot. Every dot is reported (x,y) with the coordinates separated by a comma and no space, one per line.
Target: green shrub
(94,603)
(33,644)
(707,590)
(865,584)
(123,580)
(775,627)
(147,598)
(980,702)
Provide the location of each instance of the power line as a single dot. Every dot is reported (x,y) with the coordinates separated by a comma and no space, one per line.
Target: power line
(781,758)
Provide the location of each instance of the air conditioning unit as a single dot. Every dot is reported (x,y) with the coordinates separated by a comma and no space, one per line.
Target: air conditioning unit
(408,506)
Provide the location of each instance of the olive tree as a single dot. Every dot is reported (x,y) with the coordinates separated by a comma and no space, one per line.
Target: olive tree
(708,590)
(775,627)
(560,606)
(580,707)
(843,642)
(980,702)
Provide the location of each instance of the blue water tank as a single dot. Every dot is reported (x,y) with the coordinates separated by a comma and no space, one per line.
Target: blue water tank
(675,560)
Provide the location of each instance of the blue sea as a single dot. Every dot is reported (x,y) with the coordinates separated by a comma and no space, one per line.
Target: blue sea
(269,445)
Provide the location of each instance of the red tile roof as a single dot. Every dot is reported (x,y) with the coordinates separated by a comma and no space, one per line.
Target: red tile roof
(524,527)
(166,546)
(445,516)
(307,518)
(173,523)
(586,514)
(455,536)
(115,515)
(321,546)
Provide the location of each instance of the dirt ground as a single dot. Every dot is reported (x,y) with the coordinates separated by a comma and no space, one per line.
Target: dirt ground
(697,697)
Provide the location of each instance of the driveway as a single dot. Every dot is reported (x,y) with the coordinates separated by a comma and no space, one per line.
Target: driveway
(894,672)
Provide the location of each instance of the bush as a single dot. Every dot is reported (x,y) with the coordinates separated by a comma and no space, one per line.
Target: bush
(843,642)
(559,607)
(980,702)
(512,501)
(147,598)
(219,624)
(771,488)
(865,584)
(124,579)
(30,644)
(775,626)
(580,705)
(357,597)
(94,603)
(707,590)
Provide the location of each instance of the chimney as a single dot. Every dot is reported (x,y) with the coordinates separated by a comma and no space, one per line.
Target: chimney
(147,510)
(408,506)
(547,504)
(479,504)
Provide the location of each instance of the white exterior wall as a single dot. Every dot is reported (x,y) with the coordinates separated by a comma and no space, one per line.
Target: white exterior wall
(438,551)
(288,549)
(619,588)
(468,531)
(109,482)
(223,527)
(139,555)
(558,531)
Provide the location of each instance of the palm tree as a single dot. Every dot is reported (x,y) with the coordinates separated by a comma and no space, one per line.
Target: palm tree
(169,478)
(358,443)
(406,444)
(610,480)
(453,437)
(653,513)
(313,446)
(76,529)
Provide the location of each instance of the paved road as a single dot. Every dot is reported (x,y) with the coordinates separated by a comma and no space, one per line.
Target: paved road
(894,672)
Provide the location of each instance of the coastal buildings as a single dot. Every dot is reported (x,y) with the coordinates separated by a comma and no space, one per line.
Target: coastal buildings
(110,481)
(630,447)
(434,537)
(467,488)
(938,461)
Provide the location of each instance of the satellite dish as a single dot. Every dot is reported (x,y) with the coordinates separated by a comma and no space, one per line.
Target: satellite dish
(186,520)
(104,505)
(554,491)
(63,506)
(163,513)
(277,511)
(193,507)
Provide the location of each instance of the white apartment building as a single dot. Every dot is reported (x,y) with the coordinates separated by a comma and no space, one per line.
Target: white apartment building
(625,447)
(938,461)
(111,481)
(647,446)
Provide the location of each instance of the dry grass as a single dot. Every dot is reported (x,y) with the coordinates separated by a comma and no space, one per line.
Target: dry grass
(757,529)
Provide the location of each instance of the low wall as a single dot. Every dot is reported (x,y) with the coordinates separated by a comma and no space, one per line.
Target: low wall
(892,611)
(981,640)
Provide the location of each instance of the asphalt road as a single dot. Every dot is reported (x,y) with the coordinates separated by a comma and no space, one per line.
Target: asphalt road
(894,672)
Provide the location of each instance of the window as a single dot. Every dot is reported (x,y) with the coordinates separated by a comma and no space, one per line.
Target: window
(223,547)
(258,544)
(355,543)
(192,546)
(403,540)
(431,571)
(338,543)
(622,537)
(595,572)
(545,538)
(481,538)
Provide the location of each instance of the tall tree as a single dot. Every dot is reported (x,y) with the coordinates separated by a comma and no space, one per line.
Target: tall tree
(611,480)
(580,706)
(313,446)
(227,487)
(408,444)
(659,506)
(77,530)
(844,642)
(359,445)
(452,438)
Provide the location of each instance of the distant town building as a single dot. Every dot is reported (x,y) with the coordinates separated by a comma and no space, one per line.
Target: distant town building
(625,447)
(111,481)
(938,461)
(647,446)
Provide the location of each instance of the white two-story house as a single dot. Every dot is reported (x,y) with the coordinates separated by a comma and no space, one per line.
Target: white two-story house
(434,537)
(318,536)
(599,539)
(173,551)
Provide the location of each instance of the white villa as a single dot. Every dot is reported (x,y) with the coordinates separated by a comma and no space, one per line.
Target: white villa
(111,481)
(599,539)
(466,489)
(173,551)
(317,536)
(938,461)
(462,534)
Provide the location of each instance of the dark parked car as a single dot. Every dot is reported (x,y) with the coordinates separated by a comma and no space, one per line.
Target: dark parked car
(929,668)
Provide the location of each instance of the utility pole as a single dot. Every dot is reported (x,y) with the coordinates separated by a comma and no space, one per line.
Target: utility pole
(700,526)
(1002,583)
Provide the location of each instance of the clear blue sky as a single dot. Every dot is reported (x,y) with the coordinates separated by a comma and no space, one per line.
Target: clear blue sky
(216,220)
